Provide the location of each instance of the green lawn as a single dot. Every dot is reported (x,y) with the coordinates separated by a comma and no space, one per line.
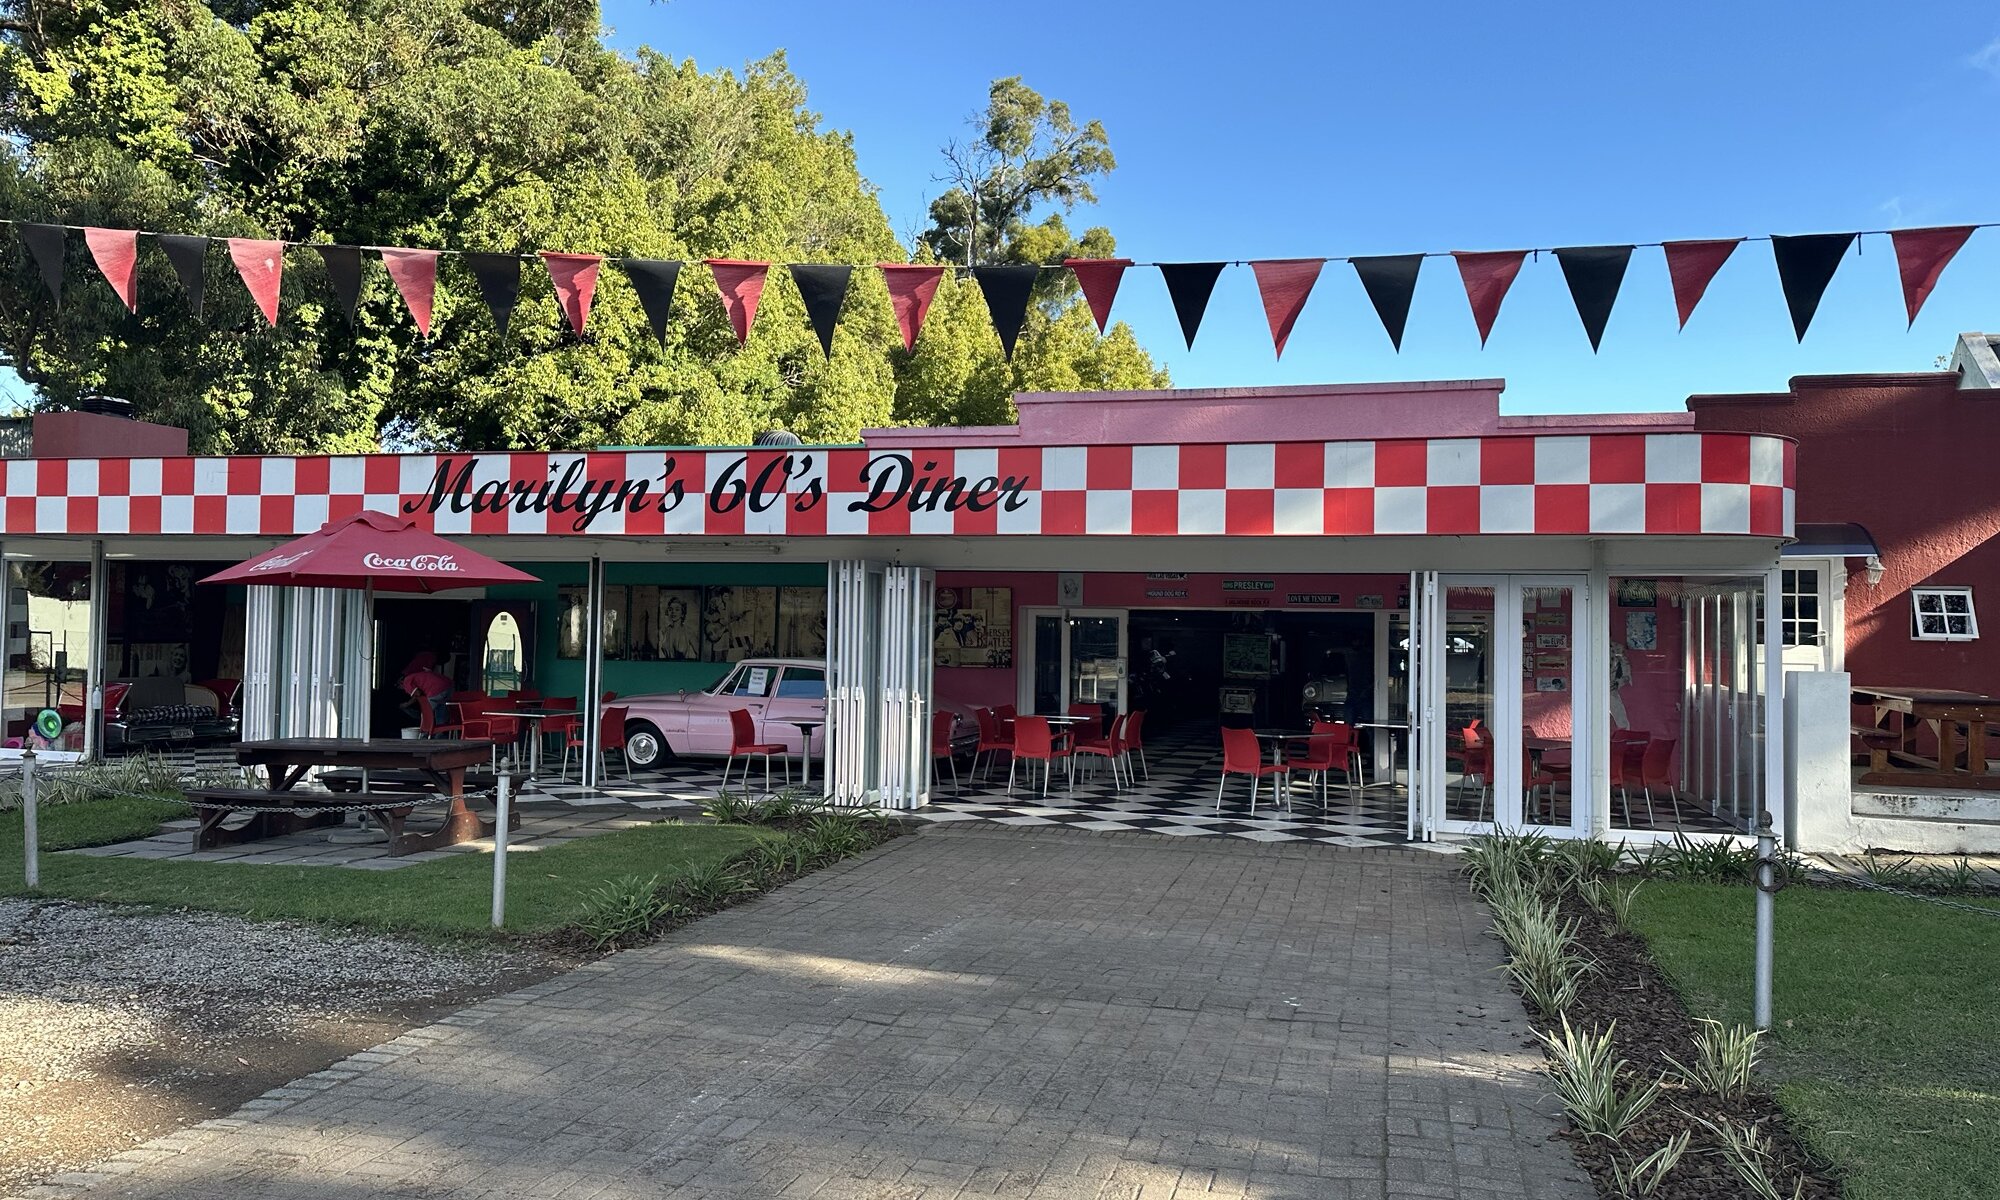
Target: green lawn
(1888,1046)
(451,895)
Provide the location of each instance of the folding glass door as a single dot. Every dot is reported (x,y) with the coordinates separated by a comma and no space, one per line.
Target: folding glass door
(1502,689)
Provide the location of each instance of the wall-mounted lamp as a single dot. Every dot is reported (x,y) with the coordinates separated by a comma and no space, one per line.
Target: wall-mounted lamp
(1873,568)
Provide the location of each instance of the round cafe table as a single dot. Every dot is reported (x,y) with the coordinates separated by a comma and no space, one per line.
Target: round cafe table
(1278,738)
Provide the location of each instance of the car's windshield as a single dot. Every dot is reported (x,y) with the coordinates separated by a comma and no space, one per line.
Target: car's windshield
(721,685)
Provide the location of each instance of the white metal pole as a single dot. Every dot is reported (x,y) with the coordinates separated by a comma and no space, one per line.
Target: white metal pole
(93,676)
(31,849)
(593,669)
(500,850)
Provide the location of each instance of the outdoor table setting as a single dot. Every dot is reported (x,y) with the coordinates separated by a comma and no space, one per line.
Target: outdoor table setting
(805,726)
(534,718)
(431,765)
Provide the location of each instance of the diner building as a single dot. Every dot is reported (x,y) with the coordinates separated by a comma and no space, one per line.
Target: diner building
(1599,596)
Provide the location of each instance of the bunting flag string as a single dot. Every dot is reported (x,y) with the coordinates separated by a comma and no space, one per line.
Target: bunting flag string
(1594,276)
(912,286)
(189,255)
(574,277)
(116,253)
(1391,283)
(654,280)
(823,288)
(414,272)
(742,286)
(1805,266)
(1284,283)
(1189,286)
(1921,256)
(1487,275)
(1099,278)
(1007,291)
(45,243)
(1691,265)
(343,275)
(499,280)
(261,263)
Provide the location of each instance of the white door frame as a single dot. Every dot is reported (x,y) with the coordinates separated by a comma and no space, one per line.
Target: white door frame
(1506,645)
(1024,671)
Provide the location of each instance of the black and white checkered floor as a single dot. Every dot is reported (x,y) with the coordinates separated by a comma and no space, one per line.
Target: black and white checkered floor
(1177,799)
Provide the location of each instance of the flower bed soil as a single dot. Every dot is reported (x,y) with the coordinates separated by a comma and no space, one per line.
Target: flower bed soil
(1651,1024)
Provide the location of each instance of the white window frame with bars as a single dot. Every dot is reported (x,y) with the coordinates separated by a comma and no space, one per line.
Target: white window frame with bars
(1943,614)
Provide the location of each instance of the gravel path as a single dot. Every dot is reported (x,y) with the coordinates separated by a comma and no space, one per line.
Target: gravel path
(118,1024)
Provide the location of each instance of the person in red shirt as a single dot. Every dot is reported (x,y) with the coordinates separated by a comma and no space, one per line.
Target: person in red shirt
(426,685)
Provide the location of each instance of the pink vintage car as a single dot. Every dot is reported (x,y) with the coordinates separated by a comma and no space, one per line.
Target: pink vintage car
(776,691)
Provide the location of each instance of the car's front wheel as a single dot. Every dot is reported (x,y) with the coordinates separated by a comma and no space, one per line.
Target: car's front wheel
(645,745)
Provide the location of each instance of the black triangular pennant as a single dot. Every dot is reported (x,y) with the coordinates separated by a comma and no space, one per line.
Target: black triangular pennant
(653,279)
(1391,283)
(499,277)
(1190,285)
(189,254)
(1594,273)
(48,243)
(1007,291)
(1805,266)
(823,288)
(343,275)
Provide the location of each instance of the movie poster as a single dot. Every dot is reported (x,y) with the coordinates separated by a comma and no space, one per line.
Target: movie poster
(738,622)
(802,622)
(678,621)
(974,627)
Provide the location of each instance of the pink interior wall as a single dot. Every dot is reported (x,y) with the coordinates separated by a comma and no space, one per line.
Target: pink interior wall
(966,688)
(1652,701)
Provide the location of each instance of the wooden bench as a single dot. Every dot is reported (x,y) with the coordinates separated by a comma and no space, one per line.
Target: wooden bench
(214,805)
(399,781)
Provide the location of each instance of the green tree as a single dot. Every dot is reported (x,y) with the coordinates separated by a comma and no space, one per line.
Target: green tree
(497,125)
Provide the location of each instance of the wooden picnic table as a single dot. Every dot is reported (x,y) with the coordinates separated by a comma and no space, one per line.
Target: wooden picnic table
(1958,722)
(440,763)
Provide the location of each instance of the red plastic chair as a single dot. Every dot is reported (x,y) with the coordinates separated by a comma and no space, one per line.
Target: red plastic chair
(1656,770)
(743,741)
(610,736)
(1331,746)
(1242,755)
(1628,754)
(943,725)
(1135,743)
(992,739)
(1006,715)
(1092,725)
(559,727)
(1111,747)
(427,720)
(1477,757)
(1033,741)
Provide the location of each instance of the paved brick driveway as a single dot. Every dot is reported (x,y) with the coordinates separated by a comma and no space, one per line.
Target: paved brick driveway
(975,1011)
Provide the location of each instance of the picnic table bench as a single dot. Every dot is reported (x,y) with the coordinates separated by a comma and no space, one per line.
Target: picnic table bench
(409,770)
(1959,725)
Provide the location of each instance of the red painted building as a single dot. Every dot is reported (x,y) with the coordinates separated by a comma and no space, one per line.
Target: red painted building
(1906,458)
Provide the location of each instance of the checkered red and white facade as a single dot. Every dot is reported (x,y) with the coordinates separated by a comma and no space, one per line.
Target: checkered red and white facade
(1674,483)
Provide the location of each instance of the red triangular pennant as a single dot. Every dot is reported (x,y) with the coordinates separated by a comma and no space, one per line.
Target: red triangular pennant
(262,266)
(1921,256)
(1691,265)
(742,286)
(1098,277)
(415,274)
(575,277)
(116,252)
(1284,284)
(911,289)
(1487,275)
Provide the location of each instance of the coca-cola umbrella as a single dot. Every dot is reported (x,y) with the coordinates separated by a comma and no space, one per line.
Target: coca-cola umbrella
(372,550)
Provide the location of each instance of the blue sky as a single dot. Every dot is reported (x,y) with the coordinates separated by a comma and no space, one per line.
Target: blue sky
(1269,130)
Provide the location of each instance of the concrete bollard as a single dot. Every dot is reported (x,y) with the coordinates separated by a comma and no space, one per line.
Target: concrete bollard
(500,850)
(31,850)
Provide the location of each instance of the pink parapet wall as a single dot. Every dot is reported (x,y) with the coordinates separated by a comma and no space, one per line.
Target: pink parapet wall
(1361,411)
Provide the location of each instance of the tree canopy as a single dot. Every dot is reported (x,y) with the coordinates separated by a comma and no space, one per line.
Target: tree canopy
(498,125)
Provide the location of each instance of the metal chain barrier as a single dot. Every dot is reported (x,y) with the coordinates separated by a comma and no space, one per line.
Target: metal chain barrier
(1838,879)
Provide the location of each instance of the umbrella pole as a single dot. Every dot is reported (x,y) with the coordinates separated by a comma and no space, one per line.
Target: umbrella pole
(367,634)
